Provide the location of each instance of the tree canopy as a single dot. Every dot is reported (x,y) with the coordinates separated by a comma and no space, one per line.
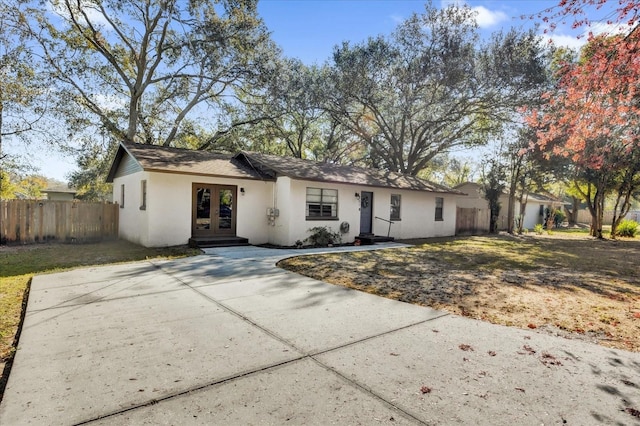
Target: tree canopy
(592,119)
(432,86)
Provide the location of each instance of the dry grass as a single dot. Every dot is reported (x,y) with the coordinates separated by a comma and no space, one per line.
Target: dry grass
(566,284)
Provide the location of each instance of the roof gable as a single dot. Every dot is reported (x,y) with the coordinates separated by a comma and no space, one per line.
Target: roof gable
(154,158)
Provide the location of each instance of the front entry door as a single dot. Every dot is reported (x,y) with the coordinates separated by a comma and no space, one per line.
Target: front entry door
(213,211)
(366,212)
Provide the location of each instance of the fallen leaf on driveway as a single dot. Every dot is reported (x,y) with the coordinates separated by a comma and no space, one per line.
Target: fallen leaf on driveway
(465,347)
(633,412)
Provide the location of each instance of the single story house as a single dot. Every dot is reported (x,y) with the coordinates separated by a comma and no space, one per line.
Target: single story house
(171,196)
(59,193)
(535,210)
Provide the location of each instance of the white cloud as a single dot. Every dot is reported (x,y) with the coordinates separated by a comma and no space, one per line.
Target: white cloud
(563,40)
(484,17)
(598,28)
(488,18)
(110,102)
(577,40)
(397,19)
(93,14)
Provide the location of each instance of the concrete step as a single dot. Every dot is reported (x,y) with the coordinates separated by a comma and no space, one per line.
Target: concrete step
(368,239)
(226,241)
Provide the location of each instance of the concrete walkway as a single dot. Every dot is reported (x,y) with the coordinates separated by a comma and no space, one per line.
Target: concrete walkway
(227,338)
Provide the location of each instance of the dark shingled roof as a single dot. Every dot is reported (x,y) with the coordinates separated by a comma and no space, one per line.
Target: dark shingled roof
(252,165)
(297,168)
(154,158)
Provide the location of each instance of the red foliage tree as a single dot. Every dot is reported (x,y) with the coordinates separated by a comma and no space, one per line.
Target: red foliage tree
(593,119)
(624,11)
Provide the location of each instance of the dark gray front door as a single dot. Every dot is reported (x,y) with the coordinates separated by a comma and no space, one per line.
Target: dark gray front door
(366,212)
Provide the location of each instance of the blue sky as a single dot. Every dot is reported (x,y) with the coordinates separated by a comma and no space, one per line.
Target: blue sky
(309,29)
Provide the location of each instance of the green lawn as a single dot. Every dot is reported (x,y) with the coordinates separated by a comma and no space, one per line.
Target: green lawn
(20,263)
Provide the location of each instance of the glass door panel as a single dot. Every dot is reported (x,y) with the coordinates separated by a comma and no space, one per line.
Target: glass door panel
(203,209)
(225,209)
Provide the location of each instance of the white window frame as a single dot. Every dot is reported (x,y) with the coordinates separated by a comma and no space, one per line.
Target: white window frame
(321,204)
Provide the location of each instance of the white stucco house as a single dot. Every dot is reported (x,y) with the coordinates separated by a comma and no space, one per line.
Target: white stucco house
(535,209)
(171,196)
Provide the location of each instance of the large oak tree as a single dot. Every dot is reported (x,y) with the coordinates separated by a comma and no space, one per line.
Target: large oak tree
(433,86)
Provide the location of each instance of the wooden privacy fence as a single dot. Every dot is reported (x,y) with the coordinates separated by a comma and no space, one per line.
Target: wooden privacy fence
(584,216)
(472,221)
(28,221)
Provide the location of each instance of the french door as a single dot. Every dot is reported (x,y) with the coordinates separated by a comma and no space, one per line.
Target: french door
(214,210)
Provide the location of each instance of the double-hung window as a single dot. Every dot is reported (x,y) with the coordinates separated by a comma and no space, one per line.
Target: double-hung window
(439,208)
(395,207)
(143,195)
(322,203)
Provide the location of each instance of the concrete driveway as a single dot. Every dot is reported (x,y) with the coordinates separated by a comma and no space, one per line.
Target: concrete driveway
(228,338)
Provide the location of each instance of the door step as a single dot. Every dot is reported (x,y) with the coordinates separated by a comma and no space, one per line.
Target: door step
(368,239)
(226,241)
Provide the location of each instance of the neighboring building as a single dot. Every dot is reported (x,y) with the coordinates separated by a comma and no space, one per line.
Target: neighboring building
(535,210)
(168,196)
(59,193)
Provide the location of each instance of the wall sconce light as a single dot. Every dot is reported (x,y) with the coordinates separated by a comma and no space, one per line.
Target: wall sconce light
(241,191)
(358,196)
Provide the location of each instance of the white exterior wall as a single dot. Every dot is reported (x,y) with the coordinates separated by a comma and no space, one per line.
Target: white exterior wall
(166,221)
(292,225)
(167,218)
(531,214)
(417,212)
(133,222)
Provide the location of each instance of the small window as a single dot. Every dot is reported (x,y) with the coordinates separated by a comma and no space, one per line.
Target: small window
(143,195)
(122,196)
(322,203)
(395,207)
(439,208)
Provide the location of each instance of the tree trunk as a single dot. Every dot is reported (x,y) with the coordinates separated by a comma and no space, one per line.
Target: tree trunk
(572,215)
(597,214)
(511,208)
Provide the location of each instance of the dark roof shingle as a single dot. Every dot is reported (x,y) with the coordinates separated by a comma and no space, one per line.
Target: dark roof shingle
(177,160)
(297,168)
(252,165)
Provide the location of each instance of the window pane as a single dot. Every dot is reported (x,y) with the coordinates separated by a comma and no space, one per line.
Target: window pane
(313,210)
(395,206)
(322,202)
(439,208)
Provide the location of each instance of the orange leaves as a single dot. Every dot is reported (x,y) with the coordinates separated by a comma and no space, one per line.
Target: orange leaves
(593,114)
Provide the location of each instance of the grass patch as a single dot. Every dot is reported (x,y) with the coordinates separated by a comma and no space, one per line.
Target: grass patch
(564,283)
(21,263)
